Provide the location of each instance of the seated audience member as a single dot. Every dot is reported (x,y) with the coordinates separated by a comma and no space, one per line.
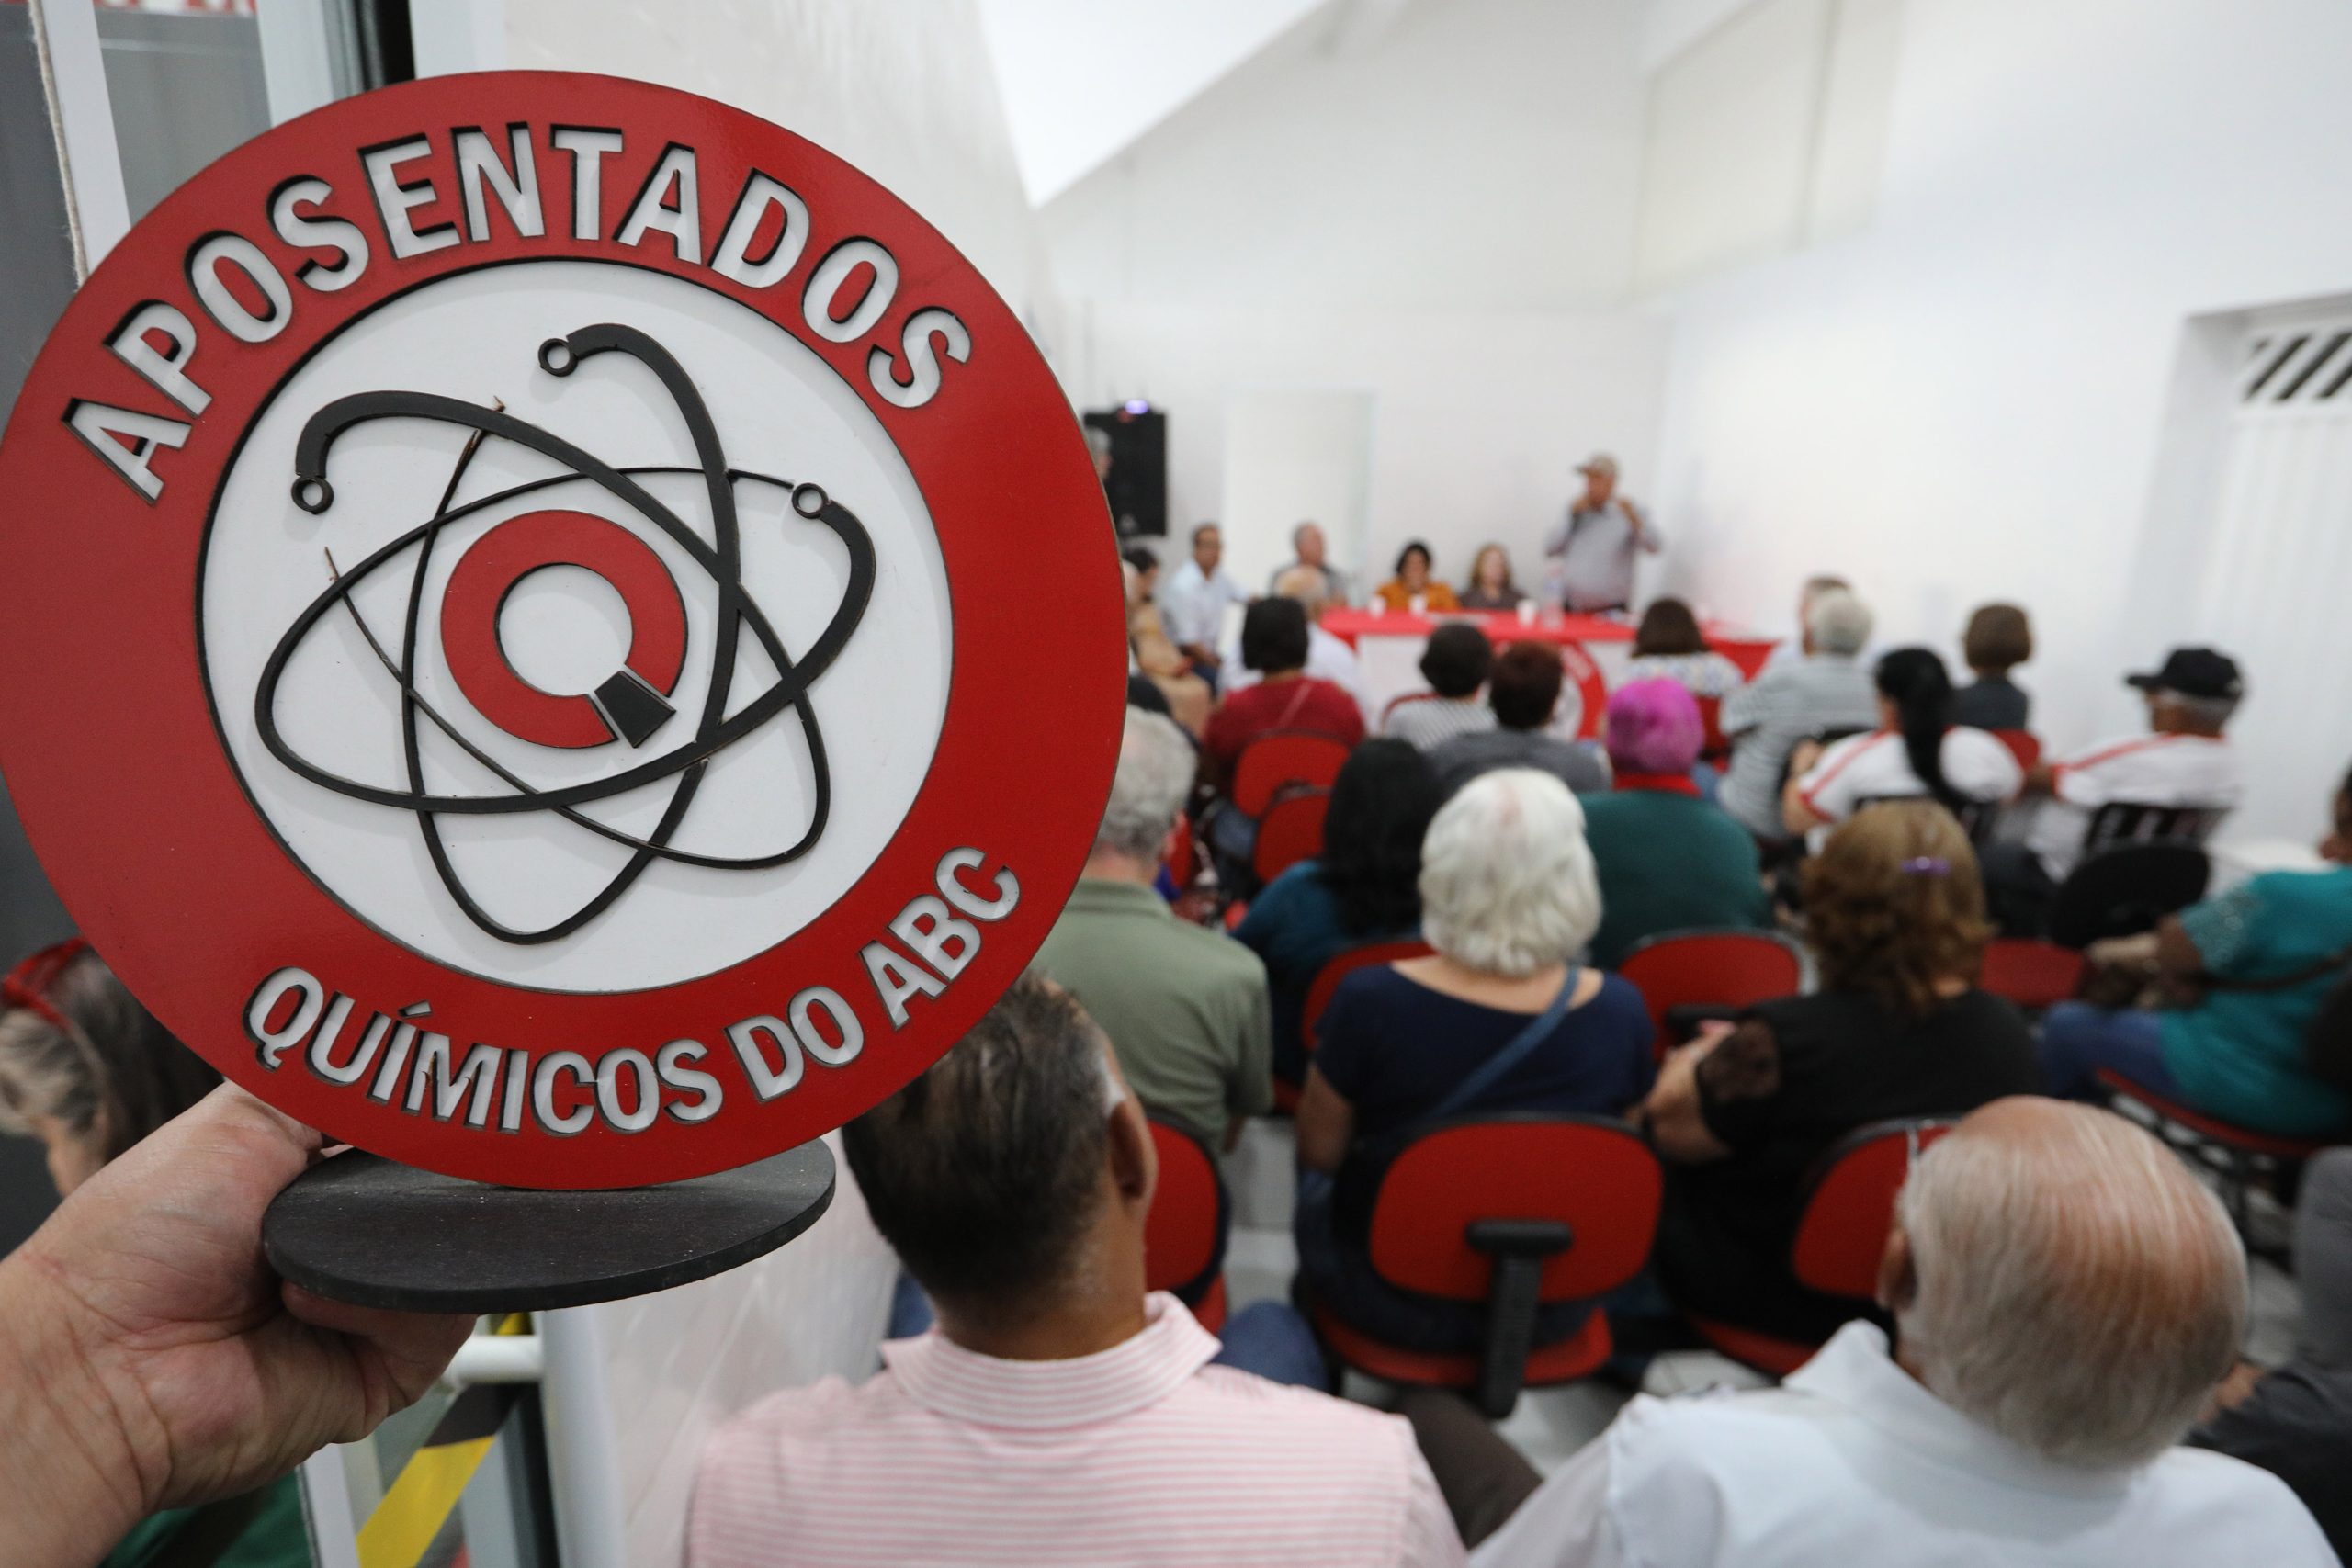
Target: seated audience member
(1183,695)
(2246,972)
(1309,549)
(2065,1296)
(1791,701)
(1455,663)
(1523,689)
(1363,887)
(1056,1413)
(1329,658)
(1998,639)
(1194,600)
(1490,587)
(1898,1028)
(1667,859)
(1789,649)
(1668,644)
(1502,1018)
(2183,761)
(1146,567)
(2296,1422)
(89,1072)
(1914,751)
(1185,1008)
(1413,580)
(1275,643)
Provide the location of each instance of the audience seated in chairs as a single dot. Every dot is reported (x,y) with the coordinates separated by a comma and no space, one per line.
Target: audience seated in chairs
(2183,761)
(1362,888)
(1455,662)
(1275,643)
(1998,639)
(1057,1414)
(1916,751)
(1898,1029)
(1500,1019)
(2296,1422)
(1820,689)
(2065,1296)
(88,1072)
(1183,695)
(1490,586)
(2242,976)
(1523,689)
(1668,644)
(1184,1007)
(1415,580)
(1668,860)
(1329,658)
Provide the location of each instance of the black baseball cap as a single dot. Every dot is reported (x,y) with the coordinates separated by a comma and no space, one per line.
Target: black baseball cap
(2194,672)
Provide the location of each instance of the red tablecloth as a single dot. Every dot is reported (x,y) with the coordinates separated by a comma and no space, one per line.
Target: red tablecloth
(1502,627)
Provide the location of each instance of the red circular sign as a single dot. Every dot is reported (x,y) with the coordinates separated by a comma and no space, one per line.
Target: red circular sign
(279,470)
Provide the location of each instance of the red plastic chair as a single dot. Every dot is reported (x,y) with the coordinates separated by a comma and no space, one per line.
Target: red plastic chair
(1715,746)
(2023,744)
(2031,972)
(1290,830)
(1516,1212)
(2236,1156)
(1283,757)
(1848,1209)
(1184,1236)
(1180,869)
(1326,982)
(1730,969)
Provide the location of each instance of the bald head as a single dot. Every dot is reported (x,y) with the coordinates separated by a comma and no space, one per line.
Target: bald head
(1307,585)
(2059,1275)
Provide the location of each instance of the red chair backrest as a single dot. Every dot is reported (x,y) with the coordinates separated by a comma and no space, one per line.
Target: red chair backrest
(2030,973)
(1843,1233)
(1183,1233)
(1290,830)
(1342,965)
(1283,757)
(1729,968)
(1710,716)
(1180,853)
(2023,745)
(1593,1175)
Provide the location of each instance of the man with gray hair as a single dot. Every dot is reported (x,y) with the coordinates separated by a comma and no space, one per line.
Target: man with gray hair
(2065,1297)
(1185,1007)
(1310,551)
(1823,691)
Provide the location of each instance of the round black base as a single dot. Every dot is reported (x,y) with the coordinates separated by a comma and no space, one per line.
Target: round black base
(362,1229)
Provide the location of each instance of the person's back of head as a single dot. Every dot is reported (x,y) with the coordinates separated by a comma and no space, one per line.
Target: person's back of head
(82,1066)
(1273,636)
(2059,1275)
(1379,812)
(1156,764)
(1894,906)
(990,1173)
(1669,629)
(1837,623)
(1457,660)
(1307,586)
(1507,883)
(1523,688)
(1653,726)
(2196,693)
(1142,559)
(1998,639)
(1917,689)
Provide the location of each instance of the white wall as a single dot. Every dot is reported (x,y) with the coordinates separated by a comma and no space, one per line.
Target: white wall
(1967,399)
(1439,213)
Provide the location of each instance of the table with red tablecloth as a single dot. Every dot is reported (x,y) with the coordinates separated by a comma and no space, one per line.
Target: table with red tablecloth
(1594,653)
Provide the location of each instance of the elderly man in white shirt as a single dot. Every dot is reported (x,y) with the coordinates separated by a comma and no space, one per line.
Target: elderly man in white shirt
(1329,658)
(1194,601)
(2066,1296)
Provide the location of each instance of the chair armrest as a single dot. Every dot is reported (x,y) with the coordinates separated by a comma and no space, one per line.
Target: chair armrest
(1519,1248)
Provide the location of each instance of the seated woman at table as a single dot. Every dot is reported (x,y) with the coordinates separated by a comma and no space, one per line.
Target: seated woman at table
(1898,1029)
(2245,974)
(1490,587)
(1668,643)
(1415,580)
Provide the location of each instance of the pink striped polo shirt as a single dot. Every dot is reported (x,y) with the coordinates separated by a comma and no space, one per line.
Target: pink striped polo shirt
(1144,1453)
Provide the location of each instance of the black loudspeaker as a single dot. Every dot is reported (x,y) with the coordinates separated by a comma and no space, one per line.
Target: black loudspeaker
(1137,482)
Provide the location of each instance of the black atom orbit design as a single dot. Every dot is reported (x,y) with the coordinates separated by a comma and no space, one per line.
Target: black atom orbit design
(721,557)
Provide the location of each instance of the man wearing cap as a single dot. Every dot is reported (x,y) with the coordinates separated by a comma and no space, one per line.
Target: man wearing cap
(1591,551)
(2184,761)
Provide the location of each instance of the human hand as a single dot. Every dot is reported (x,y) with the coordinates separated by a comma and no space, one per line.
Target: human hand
(1803,756)
(153,1360)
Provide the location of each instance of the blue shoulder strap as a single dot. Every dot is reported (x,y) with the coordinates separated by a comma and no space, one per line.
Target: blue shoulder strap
(1520,1047)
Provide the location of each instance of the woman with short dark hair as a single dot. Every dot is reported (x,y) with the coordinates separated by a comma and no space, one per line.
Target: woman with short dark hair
(1275,643)
(1668,644)
(1416,579)
(1455,662)
(1998,639)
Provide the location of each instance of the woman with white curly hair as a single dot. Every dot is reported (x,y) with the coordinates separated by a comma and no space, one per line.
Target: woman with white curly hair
(1501,1017)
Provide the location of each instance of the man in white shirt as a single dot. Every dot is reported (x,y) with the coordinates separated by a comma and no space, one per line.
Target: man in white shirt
(1329,658)
(2183,761)
(1057,1415)
(1310,549)
(2066,1296)
(1193,601)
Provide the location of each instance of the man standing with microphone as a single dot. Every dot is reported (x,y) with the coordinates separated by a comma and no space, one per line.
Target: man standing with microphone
(1592,551)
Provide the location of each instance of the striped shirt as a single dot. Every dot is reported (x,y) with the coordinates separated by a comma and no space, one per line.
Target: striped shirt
(1144,1453)
(1429,723)
(1772,714)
